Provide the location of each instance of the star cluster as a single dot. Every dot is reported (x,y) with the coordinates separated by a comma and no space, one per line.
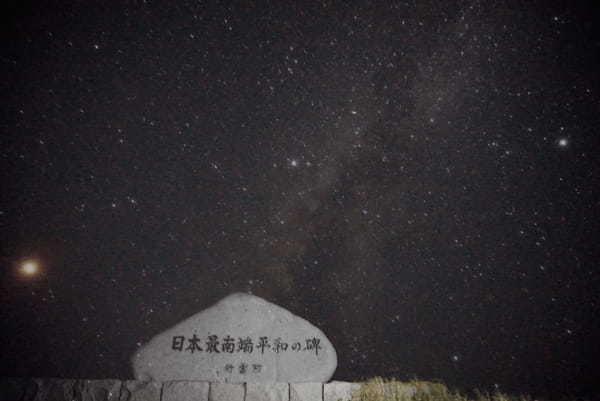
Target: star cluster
(418,179)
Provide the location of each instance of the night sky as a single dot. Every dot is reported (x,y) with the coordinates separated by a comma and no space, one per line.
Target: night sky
(418,179)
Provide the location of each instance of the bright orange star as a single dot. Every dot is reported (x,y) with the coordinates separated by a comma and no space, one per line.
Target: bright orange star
(30,267)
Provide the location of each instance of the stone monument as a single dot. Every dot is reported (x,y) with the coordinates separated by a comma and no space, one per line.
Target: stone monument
(242,338)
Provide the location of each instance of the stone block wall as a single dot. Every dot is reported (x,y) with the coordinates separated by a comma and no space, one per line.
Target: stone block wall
(48,389)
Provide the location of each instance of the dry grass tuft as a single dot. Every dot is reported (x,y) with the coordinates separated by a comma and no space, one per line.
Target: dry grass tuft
(379,389)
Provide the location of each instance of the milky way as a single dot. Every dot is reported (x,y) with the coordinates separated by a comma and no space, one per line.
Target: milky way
(419,180)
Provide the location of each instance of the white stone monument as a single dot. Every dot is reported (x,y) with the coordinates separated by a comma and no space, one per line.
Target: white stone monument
(242,338)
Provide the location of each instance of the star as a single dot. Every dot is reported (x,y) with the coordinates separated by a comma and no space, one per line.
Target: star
(29,267)
(562,142)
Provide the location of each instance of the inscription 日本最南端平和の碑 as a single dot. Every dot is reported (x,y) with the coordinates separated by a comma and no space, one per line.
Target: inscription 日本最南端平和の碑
(228,344)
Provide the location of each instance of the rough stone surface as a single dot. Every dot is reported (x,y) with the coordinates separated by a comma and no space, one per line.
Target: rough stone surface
(306,391)
(54,390)
(209,346)
(267,392)
(185,391)
(339,391)
(226,392)
(98,390)
(133,390)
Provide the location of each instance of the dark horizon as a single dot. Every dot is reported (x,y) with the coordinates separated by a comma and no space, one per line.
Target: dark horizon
(420,180)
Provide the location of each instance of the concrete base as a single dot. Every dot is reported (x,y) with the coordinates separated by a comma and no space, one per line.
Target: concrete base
(45,389)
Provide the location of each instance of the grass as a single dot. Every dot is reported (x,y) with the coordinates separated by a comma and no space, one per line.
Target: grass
(379,389)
